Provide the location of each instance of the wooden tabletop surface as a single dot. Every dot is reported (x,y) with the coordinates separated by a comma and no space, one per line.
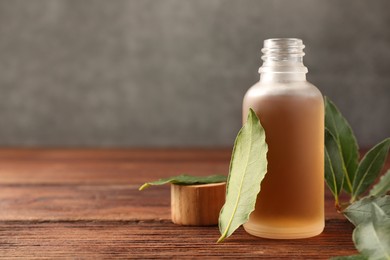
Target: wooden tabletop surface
(85,203)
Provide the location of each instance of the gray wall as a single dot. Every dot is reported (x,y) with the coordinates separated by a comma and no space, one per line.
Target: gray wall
(173,72)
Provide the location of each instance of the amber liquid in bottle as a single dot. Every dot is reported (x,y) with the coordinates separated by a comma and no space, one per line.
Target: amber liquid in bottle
(291,200)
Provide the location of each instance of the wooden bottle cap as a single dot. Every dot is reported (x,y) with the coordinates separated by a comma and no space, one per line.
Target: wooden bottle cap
(197,205)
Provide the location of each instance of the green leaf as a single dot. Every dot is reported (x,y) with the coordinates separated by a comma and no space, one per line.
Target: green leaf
(248,167)
(372,238)
(370,167)
(334,167)
(383,185)
(361,210)
(350,257)
(341,130)
(186,180)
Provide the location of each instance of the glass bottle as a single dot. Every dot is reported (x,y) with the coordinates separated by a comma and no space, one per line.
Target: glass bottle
(291,200)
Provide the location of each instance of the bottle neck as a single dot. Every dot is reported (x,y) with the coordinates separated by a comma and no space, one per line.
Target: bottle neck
(282,77)
(283,60)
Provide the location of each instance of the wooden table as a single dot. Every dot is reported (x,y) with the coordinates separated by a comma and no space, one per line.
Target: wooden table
(85,203)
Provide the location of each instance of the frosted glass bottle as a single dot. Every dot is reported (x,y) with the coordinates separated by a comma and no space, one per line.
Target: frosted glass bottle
(291,200)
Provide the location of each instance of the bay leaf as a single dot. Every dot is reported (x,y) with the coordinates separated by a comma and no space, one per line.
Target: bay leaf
(342,131)
(383,185)
(186,180)
(361,210)
(372,238)
(334,167)
(370,167)
(248,167)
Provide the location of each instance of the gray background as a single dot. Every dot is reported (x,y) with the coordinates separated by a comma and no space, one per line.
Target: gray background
(174,72)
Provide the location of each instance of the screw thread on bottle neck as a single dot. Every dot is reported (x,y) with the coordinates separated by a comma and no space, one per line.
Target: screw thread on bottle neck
(283,55)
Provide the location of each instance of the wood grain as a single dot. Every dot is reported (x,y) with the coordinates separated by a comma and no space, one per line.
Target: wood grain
(85,203)
(94,202)
(101,171)
(160,239)
(197,205)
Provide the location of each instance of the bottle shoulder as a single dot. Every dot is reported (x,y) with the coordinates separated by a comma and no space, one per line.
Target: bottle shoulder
(296,89)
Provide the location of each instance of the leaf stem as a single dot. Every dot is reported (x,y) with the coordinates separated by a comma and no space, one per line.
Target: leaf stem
(337,204)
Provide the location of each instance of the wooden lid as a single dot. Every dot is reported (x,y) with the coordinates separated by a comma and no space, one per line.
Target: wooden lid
(197,205)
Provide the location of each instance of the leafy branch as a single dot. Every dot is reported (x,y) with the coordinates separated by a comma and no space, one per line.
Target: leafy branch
(344,173)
